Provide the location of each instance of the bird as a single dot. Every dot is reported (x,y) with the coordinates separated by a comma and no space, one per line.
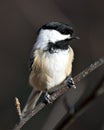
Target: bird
(50,61)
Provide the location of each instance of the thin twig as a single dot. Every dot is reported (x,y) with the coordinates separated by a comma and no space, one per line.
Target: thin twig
(18,107)
(61,91)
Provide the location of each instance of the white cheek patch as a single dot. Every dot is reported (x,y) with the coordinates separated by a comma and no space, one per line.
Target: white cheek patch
(46,36)
(55,36)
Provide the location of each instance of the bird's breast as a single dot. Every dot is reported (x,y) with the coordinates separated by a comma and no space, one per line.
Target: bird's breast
(50,69)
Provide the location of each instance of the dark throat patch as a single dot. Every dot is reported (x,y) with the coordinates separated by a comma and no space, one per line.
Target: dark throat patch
(60,45)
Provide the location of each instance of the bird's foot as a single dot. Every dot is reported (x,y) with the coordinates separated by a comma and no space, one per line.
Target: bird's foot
(48,98)
(70,82)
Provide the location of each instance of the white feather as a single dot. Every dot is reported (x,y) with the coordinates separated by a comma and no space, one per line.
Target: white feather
(46,36)
(56,64)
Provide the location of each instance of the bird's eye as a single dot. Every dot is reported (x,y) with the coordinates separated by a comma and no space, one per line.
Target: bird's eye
(67,31)
(64,31)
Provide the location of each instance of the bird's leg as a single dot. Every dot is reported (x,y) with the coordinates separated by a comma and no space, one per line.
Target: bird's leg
(70,82)
(48,98)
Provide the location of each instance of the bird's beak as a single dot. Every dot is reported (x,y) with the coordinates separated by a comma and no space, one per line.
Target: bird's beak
(74,36)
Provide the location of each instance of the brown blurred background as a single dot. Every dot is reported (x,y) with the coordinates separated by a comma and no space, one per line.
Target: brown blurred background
(19,22)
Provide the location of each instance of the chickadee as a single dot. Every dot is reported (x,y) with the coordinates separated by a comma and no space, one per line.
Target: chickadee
(50,60)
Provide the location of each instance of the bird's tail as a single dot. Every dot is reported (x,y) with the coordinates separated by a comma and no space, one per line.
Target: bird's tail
(31,102)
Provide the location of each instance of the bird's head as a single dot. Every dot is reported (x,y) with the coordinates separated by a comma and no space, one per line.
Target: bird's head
(56,33)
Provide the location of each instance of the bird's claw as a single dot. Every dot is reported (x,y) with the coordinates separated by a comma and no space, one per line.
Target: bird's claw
(70,82)
(48,98)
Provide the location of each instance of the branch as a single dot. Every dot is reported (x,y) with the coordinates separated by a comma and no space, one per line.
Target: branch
(79,108)
(59,92)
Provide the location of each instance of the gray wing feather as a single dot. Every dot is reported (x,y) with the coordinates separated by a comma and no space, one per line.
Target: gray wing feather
(31,59)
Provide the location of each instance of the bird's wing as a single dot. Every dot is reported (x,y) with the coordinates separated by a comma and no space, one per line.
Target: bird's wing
(31,59)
